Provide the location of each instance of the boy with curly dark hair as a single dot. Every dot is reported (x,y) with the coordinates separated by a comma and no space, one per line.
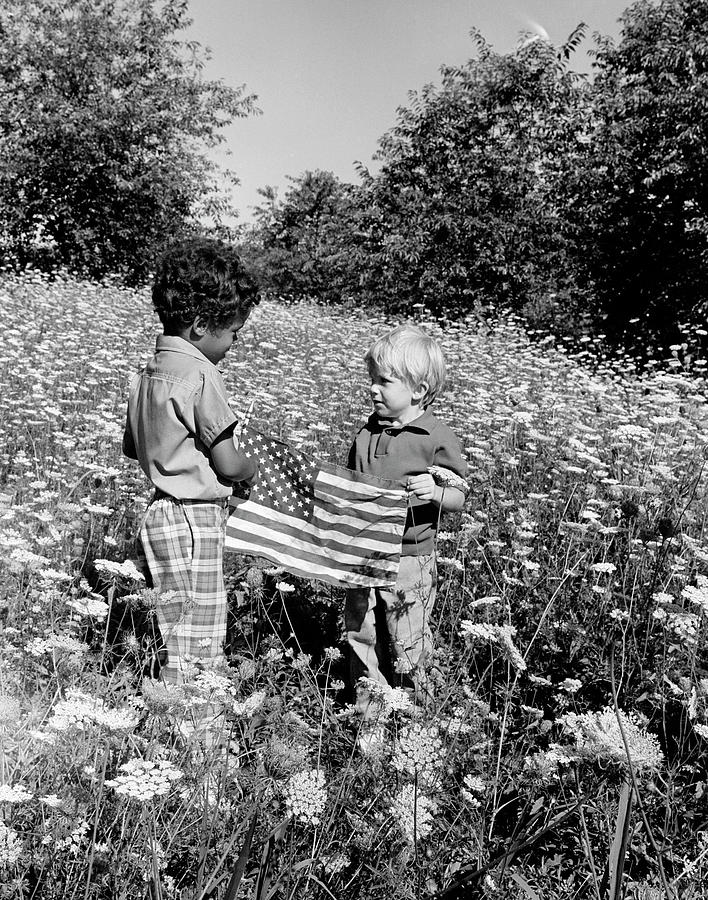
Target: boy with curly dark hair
(180,428)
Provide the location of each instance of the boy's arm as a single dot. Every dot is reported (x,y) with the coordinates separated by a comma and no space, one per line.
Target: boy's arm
(129,448)
(448,499)
(230,463)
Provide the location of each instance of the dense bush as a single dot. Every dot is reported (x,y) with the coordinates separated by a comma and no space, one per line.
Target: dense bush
(517,183)
(105,120)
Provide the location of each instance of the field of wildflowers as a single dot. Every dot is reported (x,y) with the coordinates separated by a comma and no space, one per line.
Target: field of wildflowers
(565,755)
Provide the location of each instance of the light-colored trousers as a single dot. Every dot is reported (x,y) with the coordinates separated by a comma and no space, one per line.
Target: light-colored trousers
(388,629)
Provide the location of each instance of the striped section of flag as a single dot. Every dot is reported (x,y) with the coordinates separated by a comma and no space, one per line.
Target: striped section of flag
(318,520)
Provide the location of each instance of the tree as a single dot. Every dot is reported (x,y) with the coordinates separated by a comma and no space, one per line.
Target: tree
(305,244)
(105,120)
(470,204)
(646,206)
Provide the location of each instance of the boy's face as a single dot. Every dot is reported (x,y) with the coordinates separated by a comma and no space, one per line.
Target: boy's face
(216,344)
(393,398)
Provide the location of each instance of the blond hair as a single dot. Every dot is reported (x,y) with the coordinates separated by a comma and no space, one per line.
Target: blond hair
(411,354)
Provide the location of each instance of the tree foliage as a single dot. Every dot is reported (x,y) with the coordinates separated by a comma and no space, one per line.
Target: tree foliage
(305,245)
(468,205)
(518,183)
(104,123)
(646,206)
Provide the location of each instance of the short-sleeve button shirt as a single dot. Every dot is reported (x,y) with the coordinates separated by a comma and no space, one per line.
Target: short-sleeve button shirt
(395,453)
(177,408)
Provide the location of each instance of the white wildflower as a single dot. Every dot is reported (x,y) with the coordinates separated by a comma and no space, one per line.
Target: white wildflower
(414,813)
(126,569)
(65,644)
(144,779)
(544,765)
(598,735)
(698,594)
(93,607)
(306,796)
(447,478)
(388,699)
(473,787)
(10,710)
(603,568)
(250,705)
(10,847)
(419,752)
(213,685)
(16,794)
(336,863)
(500,635)
(80,709)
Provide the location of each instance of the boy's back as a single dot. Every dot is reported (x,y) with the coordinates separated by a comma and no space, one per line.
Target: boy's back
(177,408)
(180,427)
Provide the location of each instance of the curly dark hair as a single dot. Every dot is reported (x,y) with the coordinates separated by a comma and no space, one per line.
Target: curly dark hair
(202,278)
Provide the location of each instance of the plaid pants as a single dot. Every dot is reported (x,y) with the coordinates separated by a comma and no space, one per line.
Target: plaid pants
(183,547)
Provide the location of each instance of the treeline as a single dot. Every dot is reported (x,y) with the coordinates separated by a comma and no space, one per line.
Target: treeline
(517,184)
(581,203)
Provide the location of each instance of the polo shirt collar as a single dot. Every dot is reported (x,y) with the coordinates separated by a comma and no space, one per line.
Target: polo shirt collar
(424,423)
(176,344)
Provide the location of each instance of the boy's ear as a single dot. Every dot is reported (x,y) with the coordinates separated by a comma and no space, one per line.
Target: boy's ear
(200,326)
(420,391)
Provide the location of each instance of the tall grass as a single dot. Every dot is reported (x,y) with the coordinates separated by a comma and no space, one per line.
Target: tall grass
(564,754)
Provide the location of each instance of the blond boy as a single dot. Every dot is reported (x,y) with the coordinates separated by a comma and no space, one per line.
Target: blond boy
(388,629)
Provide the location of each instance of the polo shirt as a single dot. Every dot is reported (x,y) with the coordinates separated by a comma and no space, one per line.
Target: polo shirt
(177,408)
(397,452)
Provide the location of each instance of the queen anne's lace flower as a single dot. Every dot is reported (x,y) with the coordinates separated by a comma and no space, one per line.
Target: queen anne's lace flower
(16,794)
(598,735)
(472,787)
(10,847)
(64,643)
(80,710)
(604,568)
(306,796)
(10,710)
(90,606)
(388,699)
(214,686)
(500,635)
(126,569)
(413,813)
(448,478)
(144,779)
(250,705)
(419,752)
(698,594)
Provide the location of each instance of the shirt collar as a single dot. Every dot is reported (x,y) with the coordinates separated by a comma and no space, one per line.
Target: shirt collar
(176,344)
(424,423)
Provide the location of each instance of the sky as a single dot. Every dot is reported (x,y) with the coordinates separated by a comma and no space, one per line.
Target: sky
(330,74)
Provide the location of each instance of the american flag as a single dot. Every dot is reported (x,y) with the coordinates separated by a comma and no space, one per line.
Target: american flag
(318,520)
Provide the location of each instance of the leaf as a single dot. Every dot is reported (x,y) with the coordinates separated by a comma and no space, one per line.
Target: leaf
(525,886)
(240,866)
(618,850)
